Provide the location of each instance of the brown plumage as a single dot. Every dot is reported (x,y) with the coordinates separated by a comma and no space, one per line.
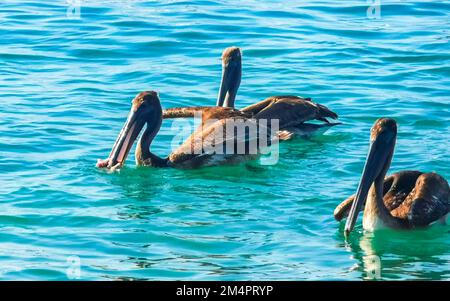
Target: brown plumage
(427,202)
(207,113)
(231,53)
(415,197)
(396,188)
(403,200)
(208,145)
(291,111)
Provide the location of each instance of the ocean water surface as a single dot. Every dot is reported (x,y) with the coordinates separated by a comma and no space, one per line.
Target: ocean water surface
(68,74)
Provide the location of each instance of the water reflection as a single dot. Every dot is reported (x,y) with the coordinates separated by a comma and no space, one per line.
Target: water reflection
(390,254)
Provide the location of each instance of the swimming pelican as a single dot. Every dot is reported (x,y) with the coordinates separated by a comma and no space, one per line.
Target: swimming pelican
(293,112)
(200,149)
(404,200)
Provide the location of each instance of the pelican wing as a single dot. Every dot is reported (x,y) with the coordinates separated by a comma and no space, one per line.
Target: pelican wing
(290,110)
(212,141)
(184,112)
(206,113)
(427,202)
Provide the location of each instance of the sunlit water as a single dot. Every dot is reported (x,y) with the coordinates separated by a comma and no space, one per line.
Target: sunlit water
(66,85)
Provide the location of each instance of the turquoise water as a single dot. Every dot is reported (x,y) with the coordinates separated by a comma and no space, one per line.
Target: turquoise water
(66,85)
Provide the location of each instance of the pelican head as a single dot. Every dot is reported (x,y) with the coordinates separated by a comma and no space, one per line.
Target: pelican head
(231,76)
(382,143)
(145,109)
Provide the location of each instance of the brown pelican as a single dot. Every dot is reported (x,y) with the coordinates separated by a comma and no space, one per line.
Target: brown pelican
(293,112)
(200,149)
(231,77)
(404,200)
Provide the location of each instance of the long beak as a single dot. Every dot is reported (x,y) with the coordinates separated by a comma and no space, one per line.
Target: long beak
(129,133)
(231,79)
(377,158)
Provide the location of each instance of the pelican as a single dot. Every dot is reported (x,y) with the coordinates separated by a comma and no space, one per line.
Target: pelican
(200,149)
(293,112)
(404,200)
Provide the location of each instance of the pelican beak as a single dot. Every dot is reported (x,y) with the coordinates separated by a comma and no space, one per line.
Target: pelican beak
(378,159)
(129,133)
(229,85)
